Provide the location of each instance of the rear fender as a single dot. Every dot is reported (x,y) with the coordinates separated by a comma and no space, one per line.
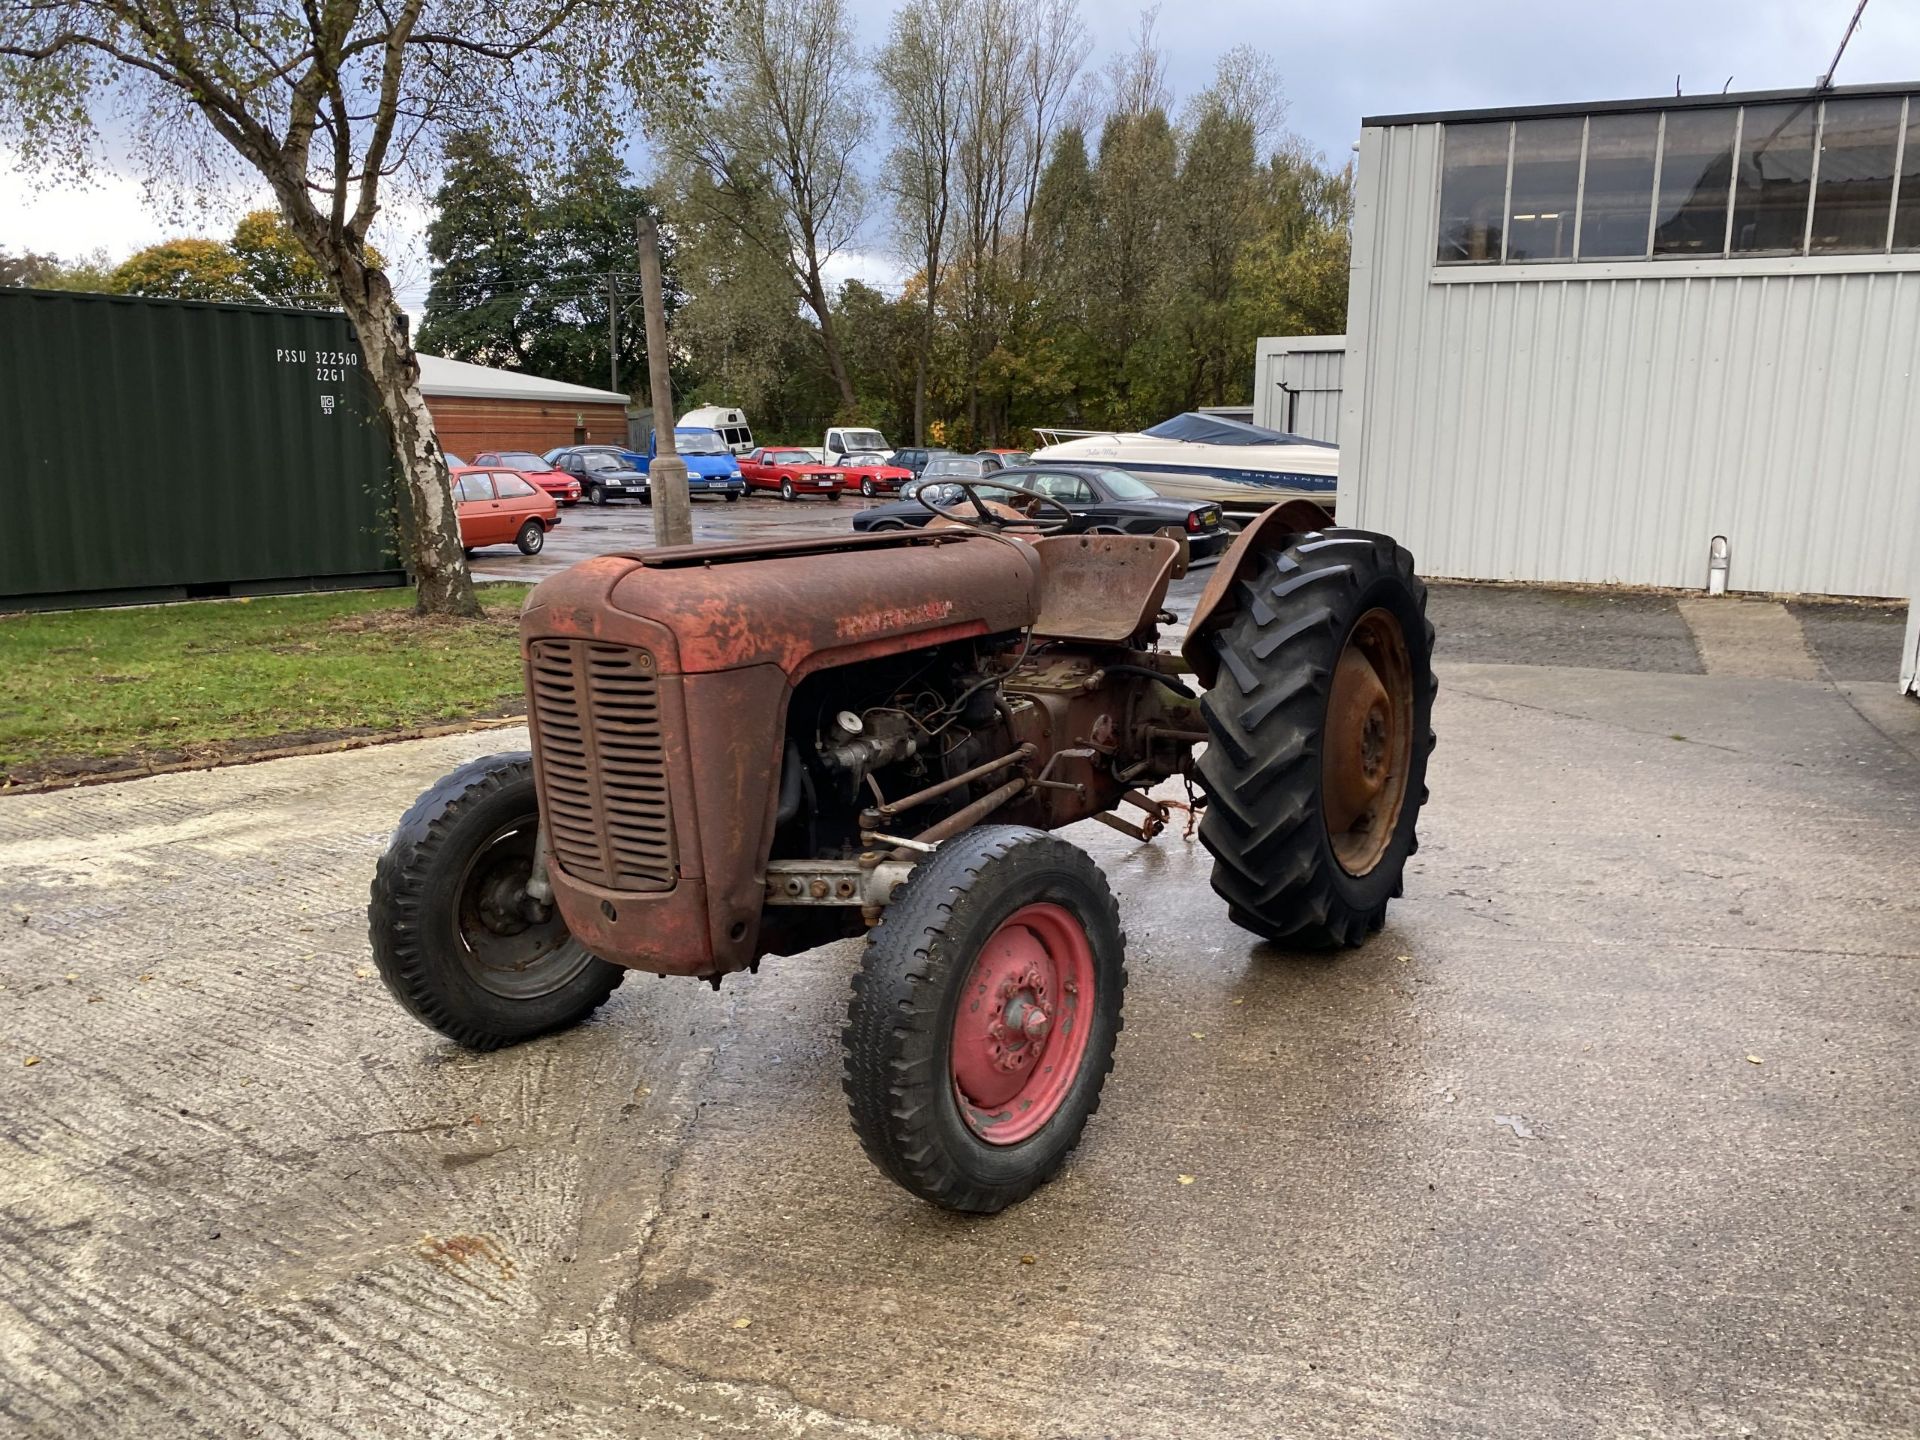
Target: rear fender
(1220,602)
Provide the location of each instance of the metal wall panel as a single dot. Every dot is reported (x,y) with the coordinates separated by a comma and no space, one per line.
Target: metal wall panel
(169,446)
(1604,424)
(1297,384)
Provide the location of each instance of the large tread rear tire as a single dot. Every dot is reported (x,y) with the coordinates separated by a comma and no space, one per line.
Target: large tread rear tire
(899,1038)
(1264,823)
(414,918)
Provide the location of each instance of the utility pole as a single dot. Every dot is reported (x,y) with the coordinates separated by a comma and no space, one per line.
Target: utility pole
(667,473)
(613,330)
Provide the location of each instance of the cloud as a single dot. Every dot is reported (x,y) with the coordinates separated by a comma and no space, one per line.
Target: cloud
(869,267)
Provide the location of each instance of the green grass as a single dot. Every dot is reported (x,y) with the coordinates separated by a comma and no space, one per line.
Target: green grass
(99,689)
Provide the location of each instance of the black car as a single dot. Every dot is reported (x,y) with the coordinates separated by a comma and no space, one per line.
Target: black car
(1103,501)
(914,458)
(604,472)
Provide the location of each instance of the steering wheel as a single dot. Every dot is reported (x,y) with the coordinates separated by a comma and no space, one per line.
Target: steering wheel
(990,514)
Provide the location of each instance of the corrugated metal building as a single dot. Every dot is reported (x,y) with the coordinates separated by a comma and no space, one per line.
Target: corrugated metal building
(1910,655)
(478,408)
(1297,386)
(1585,340)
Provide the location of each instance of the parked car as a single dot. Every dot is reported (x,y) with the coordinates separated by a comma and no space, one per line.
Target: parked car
(874,475)
(557,483)
(454,462)
(712,468)
(792,471)
(914,458)
(1008,457)
(959,467)
(843,442)
(604,473)
(502,507)
(731,423)
(1102,501)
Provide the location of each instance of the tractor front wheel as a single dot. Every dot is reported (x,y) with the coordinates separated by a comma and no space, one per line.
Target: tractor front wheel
(984,1017)
(1319,726)
(456,937)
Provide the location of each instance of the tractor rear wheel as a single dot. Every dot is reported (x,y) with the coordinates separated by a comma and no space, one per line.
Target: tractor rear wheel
(454,935)
(1319,726)
(984,1016)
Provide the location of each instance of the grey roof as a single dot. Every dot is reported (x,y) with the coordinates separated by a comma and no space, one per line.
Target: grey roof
(440,376)
(1657,102)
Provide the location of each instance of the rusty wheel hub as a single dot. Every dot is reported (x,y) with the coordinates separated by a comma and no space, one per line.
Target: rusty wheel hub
(1020,1031)
(1367,748)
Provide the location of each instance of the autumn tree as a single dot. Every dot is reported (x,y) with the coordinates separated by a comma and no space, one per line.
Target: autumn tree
(922,82)
(188,269)
(779,144)
(277,269)
(329,103)
(50,272)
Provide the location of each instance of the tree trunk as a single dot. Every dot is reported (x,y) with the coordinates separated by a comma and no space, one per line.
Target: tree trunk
(922,363)
(830,343)
(443,584)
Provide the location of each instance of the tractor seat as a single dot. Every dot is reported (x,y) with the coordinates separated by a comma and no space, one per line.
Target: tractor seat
(1101,589)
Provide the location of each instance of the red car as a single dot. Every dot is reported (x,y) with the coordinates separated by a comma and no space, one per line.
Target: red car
(557,483)
(501,507)
(874,475)
(792,472)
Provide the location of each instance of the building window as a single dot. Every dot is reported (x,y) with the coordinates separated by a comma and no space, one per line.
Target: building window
(1774,180)
(1859,142)
(1473,192)
(1545,189)
(1906,216)
(1790,177)
(1616,207)
(1696,162)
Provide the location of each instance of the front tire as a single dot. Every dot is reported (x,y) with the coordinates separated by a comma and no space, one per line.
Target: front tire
(732,495)
(597,494)
(984,1016)
(1319,725)
(866,487)
(532,538)
(786,490)
(447,919)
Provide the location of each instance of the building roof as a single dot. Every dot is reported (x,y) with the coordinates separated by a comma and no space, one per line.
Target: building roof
(439,376)
(1657,102)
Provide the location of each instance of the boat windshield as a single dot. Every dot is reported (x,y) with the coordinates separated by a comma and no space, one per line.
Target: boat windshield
(1199,429)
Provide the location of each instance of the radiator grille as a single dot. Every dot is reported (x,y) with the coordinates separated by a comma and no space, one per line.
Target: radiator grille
(596,711)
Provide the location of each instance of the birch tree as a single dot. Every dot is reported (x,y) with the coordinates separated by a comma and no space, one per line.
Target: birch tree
(330,102)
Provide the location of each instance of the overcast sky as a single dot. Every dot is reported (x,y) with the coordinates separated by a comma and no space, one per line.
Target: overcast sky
(1340,61)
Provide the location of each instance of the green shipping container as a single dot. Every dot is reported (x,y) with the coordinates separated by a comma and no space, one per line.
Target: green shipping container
(170,449)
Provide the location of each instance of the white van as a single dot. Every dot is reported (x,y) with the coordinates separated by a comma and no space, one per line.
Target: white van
(845,440)
(732,425)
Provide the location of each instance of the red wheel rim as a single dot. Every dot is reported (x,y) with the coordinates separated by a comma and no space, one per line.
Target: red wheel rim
(1021,1030)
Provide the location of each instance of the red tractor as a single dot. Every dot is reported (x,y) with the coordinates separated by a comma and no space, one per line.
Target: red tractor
(747,751)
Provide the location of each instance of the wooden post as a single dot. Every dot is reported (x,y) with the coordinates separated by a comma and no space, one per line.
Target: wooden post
(667,472)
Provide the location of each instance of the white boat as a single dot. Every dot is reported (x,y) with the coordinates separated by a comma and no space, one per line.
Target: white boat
(1207,457)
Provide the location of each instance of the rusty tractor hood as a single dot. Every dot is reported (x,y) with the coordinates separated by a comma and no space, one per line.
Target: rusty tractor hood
(800,605)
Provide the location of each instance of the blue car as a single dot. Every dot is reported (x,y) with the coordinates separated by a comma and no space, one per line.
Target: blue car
(712,469)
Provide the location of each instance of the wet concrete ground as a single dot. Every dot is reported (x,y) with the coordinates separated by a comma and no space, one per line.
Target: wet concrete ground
(1612,1131)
